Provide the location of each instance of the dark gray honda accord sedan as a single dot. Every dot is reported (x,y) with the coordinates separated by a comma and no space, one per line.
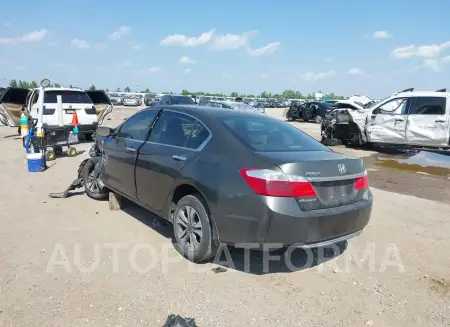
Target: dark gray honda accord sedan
(226,177)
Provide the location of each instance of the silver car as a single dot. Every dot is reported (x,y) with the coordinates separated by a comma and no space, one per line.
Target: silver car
(238,106)
(131,101)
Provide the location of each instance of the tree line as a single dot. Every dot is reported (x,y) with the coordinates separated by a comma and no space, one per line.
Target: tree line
(287,94)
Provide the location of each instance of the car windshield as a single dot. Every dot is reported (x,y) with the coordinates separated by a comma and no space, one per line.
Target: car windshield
(67,96)
(266,134)
(182,100)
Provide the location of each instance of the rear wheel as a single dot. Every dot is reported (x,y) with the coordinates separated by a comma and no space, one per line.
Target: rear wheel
(318,119)
(192,230)
(91,179)
(50,155)
(71,152)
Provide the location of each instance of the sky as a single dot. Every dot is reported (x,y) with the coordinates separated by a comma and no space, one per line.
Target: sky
(344,47)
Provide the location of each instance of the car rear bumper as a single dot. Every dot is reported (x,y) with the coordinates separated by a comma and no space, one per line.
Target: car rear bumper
(280,222)
(318,227)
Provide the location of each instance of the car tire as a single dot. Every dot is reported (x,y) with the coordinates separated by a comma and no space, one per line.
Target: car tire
(318,119)
(203,247)
(91,174)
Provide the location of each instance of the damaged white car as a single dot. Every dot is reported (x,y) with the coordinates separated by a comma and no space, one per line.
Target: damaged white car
(407,118)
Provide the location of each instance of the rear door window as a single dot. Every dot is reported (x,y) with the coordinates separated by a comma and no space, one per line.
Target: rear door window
(198,136)
(265,134)
(67,96)
(428,106)
(173,128)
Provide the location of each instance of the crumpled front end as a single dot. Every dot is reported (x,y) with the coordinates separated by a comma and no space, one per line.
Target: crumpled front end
(347,126)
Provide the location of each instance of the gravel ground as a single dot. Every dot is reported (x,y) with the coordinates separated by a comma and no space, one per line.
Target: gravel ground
(59,267)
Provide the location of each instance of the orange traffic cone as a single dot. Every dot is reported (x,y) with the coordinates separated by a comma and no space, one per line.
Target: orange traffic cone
(75,122)
(75,119)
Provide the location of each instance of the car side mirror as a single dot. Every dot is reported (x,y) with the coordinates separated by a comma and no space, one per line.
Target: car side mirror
(104,131)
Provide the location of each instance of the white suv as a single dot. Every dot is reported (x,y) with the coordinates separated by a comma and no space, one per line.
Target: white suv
(91,106)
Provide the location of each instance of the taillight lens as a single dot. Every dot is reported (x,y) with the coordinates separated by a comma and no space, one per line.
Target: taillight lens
(362,182)
(274,183)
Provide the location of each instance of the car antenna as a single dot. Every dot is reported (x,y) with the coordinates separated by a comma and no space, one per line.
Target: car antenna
(441,90)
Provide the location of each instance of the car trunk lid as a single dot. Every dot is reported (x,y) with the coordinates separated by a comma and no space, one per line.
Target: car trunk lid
(337,179)
(102,104)
(12,100)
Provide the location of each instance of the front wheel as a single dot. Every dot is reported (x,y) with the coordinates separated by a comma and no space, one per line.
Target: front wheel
(192,230)
(92,179)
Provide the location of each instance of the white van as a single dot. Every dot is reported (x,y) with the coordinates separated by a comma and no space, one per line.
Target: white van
(91,106)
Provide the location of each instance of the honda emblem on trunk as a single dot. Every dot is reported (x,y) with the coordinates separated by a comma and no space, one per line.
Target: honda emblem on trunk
(342,169)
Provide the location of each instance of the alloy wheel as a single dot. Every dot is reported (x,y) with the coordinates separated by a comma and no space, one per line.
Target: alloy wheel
(92,182)
(188,228)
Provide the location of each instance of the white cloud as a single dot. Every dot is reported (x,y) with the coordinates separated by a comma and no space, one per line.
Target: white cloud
(381,35)
(267,49)
(316,76)
(264,76)
(100,68)
(432,64)
(52,44)
(186,60)
(80,44)
(122,31)
(151,70)
(232,41)
(425,51)
(328,59)
(356,71)
(7,24)
(446,59)
(186,41)
(137,46)
(187,70)
(4,40)
(20,67)
(34,36)
(225,74)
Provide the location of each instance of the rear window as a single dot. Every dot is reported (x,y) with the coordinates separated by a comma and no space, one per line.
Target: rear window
(265,134)
(67,96)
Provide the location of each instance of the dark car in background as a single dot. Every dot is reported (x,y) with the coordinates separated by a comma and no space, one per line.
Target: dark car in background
(169,99)
(227,177)
(314,110)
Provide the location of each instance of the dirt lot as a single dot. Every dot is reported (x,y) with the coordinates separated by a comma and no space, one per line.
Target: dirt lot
(395,273)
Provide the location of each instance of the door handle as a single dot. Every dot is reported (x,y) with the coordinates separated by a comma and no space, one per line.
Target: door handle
(440,121)
(178,158)
(399,119)
(130,149)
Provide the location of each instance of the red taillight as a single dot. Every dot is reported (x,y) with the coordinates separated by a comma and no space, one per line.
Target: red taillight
(274,183)
(362,183)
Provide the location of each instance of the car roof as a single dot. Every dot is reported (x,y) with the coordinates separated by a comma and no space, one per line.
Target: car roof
(61,89)
(205,112)
(422,93)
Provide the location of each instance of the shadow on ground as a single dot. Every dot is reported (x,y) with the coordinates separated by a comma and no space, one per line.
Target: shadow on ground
(255,262)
